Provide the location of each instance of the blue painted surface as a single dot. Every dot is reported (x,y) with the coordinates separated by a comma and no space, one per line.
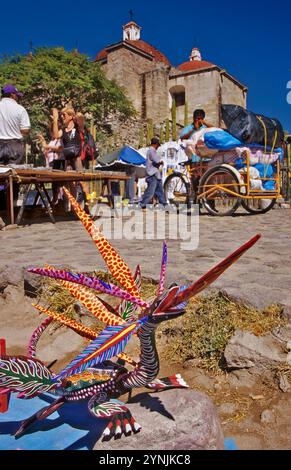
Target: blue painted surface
(230,444)
(70,427)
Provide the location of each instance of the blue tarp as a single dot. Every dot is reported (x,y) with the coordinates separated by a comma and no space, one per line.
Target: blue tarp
(221,140)
(125,154)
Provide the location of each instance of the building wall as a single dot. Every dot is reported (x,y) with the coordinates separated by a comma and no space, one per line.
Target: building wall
(201,91)
(125,67)
(231,93)
(155,94)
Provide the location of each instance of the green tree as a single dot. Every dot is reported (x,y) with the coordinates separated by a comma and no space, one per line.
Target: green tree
(186,114)
(167,136)
(174,120)
(53,77)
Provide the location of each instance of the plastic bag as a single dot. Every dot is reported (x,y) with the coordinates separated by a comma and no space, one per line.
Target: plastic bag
(251,128)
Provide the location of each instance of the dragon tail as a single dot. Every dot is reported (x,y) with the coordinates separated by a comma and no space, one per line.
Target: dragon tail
(39,415)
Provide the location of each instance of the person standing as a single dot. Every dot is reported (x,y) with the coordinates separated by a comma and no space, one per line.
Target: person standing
(154,176)
(14,125)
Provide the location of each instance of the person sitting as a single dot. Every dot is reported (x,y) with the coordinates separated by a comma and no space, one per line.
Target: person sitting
(188,132)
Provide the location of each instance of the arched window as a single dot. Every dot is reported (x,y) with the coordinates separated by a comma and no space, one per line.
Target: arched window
(178,95)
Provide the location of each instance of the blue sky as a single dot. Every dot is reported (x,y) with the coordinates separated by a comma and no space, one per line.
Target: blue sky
(250,39)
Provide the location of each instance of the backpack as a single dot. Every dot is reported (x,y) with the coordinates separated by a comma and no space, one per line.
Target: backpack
(89,150)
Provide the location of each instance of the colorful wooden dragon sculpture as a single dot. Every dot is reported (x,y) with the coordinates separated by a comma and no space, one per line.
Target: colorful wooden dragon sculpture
(92,375)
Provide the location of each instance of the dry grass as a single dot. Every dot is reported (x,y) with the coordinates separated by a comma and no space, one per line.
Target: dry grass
(56,298)
(208,325)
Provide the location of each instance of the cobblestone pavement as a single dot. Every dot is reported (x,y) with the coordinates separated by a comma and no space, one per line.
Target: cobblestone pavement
(262,276)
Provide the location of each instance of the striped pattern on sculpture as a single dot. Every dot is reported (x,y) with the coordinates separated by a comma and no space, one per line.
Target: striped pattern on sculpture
(148,367)
(36,335)
(91,282)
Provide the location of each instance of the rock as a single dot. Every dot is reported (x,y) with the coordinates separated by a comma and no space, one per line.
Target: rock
(282,333)
(287,312)
(284,384)
(267,416)
(171,420)
(288,360)
(242,378)
(246,350)
(288,345)
(10,275)
(32,283)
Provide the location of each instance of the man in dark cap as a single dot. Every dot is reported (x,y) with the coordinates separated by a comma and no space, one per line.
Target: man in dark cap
(154,176)
(14,125)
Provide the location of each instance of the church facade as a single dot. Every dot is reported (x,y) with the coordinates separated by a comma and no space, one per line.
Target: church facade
(152,83)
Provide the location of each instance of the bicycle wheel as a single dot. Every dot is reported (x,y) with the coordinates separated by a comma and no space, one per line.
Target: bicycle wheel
(177,190)
(258,206)
(219,202)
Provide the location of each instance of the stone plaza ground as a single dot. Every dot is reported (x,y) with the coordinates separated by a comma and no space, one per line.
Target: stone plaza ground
(262,276)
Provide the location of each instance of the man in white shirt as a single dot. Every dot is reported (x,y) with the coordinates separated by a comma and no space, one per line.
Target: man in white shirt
(14,125)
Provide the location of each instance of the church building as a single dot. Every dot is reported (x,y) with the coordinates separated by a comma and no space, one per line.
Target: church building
(152,82)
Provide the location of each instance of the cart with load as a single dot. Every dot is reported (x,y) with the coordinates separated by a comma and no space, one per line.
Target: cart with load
(230,172)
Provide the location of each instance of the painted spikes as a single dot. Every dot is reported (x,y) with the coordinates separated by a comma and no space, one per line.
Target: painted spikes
(91,302)
(214,273)
(91,282)
(127,309)
(118,268)
(161,286)
(35,337)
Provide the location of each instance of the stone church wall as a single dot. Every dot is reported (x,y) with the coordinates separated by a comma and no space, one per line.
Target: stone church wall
(155,98)
(231,93)
(125,67)
(201,91)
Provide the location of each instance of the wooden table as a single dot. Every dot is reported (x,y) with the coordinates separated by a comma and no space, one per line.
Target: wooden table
(39,177)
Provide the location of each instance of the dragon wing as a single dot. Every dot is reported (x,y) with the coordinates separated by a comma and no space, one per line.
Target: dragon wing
(213,274)
(109,343)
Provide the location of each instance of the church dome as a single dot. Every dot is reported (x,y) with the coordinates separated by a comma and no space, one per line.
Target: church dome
(143,46)
(195,65)
(195,62)
(131,37)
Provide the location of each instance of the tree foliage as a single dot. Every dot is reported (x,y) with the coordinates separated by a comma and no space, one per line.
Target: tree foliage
(53,77)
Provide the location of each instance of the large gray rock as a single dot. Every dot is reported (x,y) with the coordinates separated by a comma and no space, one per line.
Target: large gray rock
(171,420)
(32,283)
(10,275)
(246,350)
